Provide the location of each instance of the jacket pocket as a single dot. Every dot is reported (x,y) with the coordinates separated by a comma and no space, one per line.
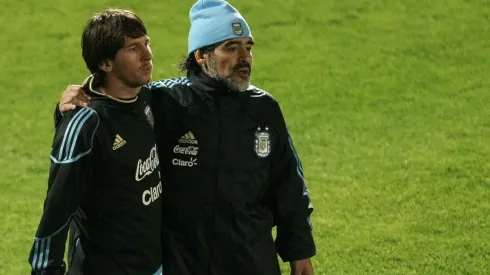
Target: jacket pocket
(75,265)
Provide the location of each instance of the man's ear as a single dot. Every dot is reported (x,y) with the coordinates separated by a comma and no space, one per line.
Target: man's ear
(105,66)
(201,59)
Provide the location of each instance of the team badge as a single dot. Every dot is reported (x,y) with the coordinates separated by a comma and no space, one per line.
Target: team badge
(237,28)
(262,142)
(149,116)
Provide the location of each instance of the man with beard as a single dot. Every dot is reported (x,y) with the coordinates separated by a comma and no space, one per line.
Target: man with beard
(230,169)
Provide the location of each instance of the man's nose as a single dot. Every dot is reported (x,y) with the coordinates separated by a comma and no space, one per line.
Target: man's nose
(245,56)
(147,54)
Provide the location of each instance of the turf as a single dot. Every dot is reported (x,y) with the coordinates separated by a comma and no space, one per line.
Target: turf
(386,102)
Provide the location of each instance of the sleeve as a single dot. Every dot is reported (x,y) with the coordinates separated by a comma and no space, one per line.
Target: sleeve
(291,202)
(69,172)
(57,115)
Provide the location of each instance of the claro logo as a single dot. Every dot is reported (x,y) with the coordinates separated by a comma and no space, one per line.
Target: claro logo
(185,163)
(152,194)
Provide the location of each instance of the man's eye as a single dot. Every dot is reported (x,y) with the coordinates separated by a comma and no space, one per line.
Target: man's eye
(232,49)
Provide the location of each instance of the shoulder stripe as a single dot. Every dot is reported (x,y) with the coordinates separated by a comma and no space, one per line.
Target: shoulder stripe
(257,92)
(71,136)
(65,161)
(77,133)
(73,120)
(75,129)
(169,83)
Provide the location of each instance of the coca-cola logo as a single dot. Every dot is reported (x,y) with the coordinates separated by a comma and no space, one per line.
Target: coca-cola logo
(189,150)
(146,167)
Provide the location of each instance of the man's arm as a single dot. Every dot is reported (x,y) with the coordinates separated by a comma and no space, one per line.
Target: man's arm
(73,97)
(291,202)
(69,172)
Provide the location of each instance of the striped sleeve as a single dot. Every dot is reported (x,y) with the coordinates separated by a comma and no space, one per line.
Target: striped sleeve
(69,172)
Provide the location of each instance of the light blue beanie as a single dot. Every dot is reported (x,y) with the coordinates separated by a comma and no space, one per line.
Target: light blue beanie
(213,21)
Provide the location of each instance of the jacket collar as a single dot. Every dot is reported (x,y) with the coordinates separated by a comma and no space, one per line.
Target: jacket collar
(204,83)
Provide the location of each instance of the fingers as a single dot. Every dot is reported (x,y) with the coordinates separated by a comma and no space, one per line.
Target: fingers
(302,267)
(84,95)
(75,91)
(67,107)
(69,94)
(72,97)
(81,99)
(79,102)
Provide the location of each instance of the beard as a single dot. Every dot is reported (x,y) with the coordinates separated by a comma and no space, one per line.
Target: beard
(234,86)
(130,77)
(134,81)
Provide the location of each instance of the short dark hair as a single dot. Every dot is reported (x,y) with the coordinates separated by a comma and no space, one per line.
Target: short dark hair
(104,35)
(189,64)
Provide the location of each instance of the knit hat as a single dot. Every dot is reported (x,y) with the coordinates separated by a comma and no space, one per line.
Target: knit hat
(213,21)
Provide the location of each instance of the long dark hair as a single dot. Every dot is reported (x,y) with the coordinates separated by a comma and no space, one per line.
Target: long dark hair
(189,64)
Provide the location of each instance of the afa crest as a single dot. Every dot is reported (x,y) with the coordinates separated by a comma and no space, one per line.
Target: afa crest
(237,28)
(262,142)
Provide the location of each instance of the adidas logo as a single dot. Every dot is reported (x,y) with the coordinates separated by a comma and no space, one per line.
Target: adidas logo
(188,138)
(118,142)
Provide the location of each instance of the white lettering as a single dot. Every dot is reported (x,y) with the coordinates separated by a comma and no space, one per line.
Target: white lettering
(145,200)
(151,194)
(119,145)
(146,167)
(185,163)
(188,141)
(189,150)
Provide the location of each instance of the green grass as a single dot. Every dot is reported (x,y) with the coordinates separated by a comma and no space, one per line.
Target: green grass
(387,102)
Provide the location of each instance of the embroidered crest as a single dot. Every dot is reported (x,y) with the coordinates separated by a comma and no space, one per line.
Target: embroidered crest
(237,28)
(262,142)
(149,116)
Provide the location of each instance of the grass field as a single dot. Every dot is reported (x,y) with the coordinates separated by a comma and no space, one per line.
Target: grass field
(387,102)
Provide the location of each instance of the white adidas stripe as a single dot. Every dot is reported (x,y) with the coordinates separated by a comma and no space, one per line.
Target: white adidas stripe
(72,132)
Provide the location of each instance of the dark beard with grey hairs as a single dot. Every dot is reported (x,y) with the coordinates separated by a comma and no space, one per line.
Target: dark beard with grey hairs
(235,87)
